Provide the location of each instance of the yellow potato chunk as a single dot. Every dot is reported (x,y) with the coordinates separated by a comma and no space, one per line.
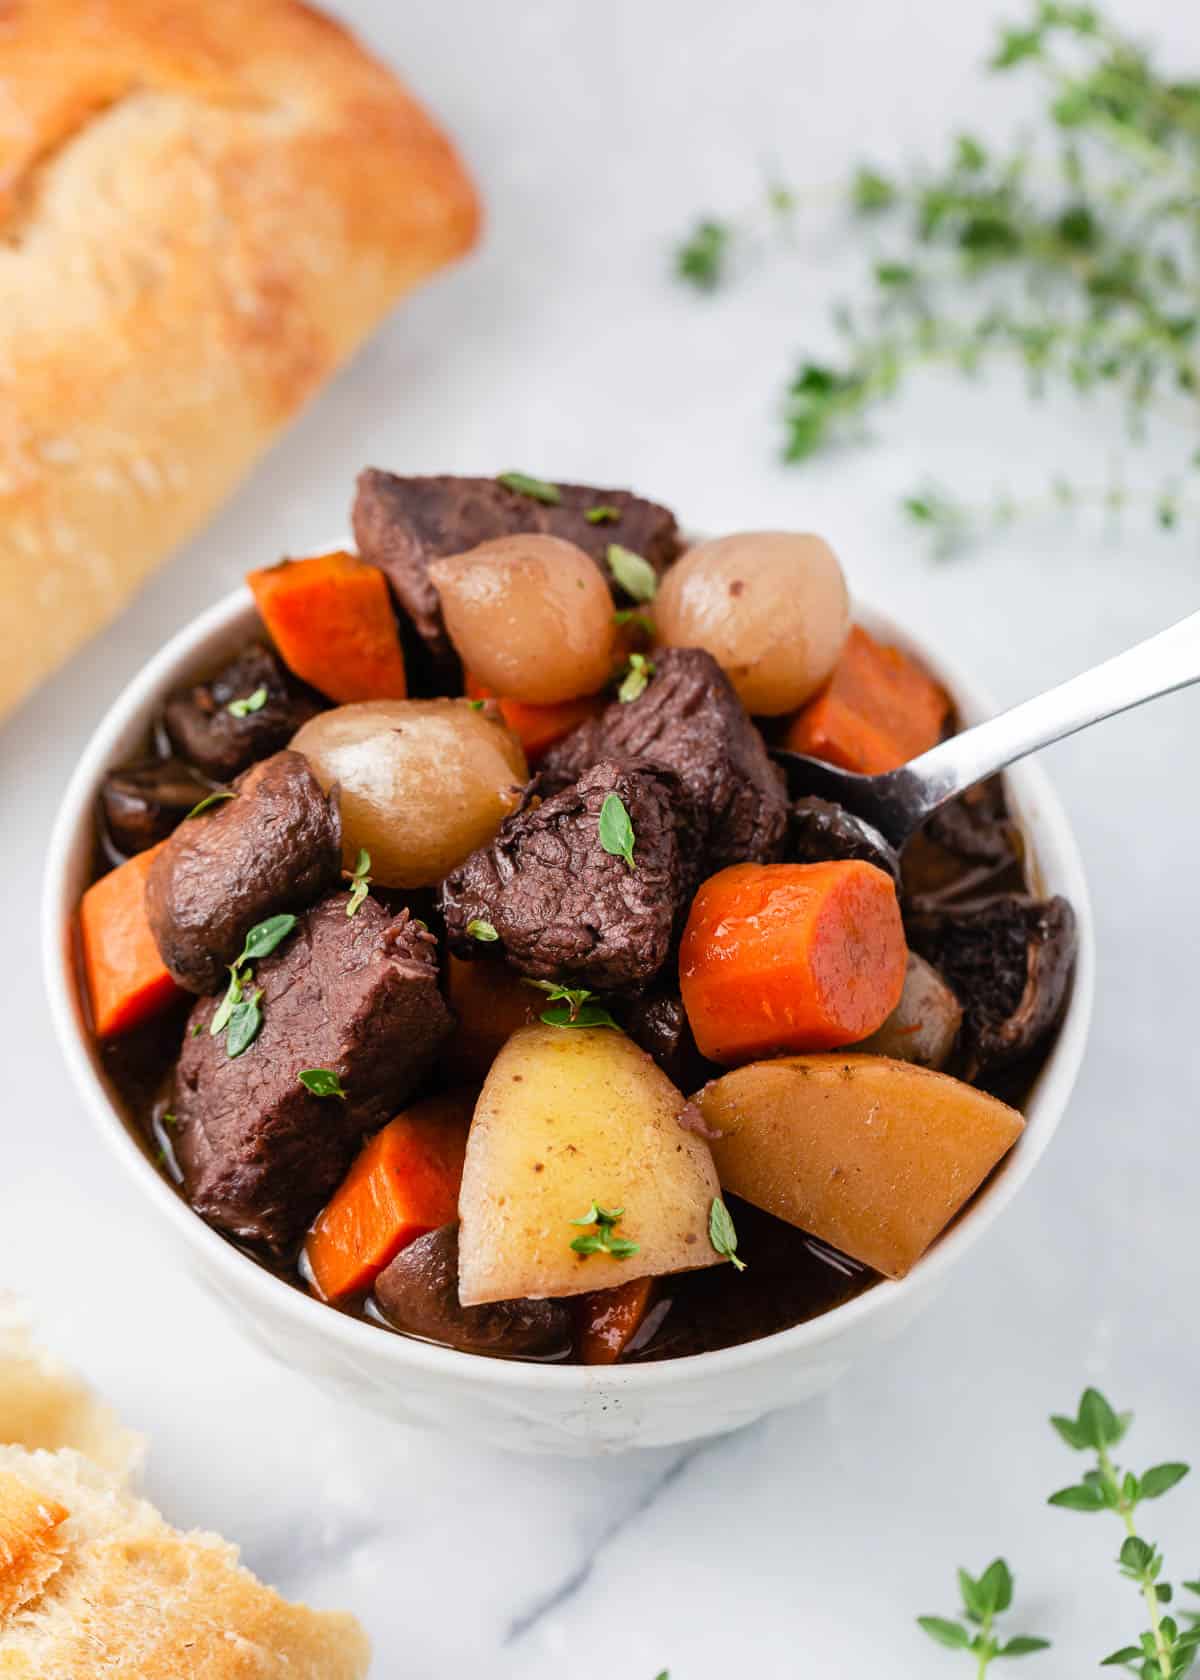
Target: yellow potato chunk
(872,1155)
(570,1117)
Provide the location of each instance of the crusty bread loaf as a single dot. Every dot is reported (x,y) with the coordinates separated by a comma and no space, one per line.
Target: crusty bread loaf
(93,1581)
(204,207)
(42,1404)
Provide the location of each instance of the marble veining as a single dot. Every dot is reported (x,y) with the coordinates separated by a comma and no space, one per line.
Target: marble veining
(806,1544)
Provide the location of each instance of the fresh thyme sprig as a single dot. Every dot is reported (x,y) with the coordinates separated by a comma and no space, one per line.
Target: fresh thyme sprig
(1075,254)
(984,1598)
(1165,1650)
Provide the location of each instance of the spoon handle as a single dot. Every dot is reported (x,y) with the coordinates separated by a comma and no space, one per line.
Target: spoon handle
(1157,666)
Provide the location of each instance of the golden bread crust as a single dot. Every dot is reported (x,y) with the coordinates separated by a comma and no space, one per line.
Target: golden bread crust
(204,207)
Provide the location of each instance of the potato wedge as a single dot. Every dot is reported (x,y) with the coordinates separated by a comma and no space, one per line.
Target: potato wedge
(570,1116)
(872,1155)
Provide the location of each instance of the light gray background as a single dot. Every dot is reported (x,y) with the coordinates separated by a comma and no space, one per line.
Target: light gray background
(804,1546)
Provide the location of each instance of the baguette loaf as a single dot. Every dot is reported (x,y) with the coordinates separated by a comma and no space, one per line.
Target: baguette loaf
(93,1581)
(204,207)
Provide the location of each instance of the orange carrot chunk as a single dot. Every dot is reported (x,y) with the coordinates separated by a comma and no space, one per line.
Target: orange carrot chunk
(877,711)
(607,1320)
(538,728)
(127,980)
(404,1183)
(791,956)
(332,621)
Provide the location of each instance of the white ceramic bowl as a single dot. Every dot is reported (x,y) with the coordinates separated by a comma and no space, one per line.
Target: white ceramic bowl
(568,1409)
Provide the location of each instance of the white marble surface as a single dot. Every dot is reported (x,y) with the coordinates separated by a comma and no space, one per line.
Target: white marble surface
(804,1546)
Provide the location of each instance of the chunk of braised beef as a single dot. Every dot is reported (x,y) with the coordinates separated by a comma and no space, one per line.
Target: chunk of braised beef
(820,830)
(358,995)
(143,803)
(222,743)
(418,1293)
(401,524)
(276,845)
(660,1025)
(689,719)
(1009,959)
(563,907)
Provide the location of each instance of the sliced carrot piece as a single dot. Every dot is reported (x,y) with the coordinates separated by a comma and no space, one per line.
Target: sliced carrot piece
(538,728)
(331,619)
(878,710)
(607,1320)
(791,956)
(127,980)
(404,1183)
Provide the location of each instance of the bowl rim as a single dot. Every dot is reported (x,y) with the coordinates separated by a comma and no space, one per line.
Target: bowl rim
(1040,811)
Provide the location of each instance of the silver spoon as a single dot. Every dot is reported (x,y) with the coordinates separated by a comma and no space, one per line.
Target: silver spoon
(898,803)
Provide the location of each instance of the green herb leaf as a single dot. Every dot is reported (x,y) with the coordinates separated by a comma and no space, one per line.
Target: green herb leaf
(635,574)
(322,1082)
(1071,1432)
(634,683)
(571,1006)
(870,192)
(630,615)
(252,703)
(245,1024)
(701,260)
(206,804)
(233,996)
(1080,1498)
(483,931)
(1127,1654)
(476,705)
(360,881)
(1023,1645)
(597,1215)
(1161,1479)
(266,937)
(602,515)
(602,1240)
(951,1634)
(536,488)
(616,830)
(996,1587)
(1098,1421)
(721,1233)
(587,1015)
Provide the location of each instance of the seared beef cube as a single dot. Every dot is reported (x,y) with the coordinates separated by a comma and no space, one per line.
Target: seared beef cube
(401,524)
(276,845)
(1010,960)
(143,803)
(563,907)
(689,718)
(418,1293)
(222,743)
(820,830)
(356,994)
(660,1025)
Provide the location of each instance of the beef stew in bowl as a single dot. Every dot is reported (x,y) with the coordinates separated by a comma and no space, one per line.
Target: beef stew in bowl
(605,915)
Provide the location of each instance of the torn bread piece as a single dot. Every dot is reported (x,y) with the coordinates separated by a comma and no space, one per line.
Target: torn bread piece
(92,1581)
(43,1404)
